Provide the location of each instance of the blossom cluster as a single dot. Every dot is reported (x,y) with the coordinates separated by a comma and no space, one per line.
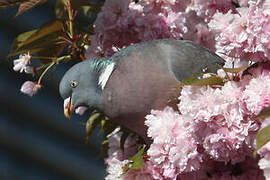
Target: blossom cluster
(121,23)
(212,134)
(245,33)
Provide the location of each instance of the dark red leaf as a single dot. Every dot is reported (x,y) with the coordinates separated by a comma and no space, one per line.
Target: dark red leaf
(11,3)
(28,5)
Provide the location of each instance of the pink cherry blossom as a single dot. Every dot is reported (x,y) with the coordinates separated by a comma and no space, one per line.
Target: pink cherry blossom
(214,170)
(136,23)
(173,149)
(117,159)
(115,169)
(197,30)
(30,88)
(115,149)
(148,172)
(220,121)
(22,64)
(242,3)
(244,34)
(257,94)
(206,8)
(231,34)
(164,6)
(175,21)
(264,162)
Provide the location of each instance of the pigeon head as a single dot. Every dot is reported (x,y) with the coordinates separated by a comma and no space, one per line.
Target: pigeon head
(80,87)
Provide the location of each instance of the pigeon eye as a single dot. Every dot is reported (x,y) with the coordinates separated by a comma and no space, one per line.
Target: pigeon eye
(73,84)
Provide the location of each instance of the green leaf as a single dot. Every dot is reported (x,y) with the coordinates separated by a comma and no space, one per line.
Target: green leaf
(89,10)
(33,51)
(44,41)
(213,80)
(60,11)
(189,80)
(9,3)
(265,113)
(137,160)
(91,124)
(85,18)
(76,4)
(86,10)
(195,81)
(25,6)
(262,138)
(64,2)
(52,50)
(108,126)
(45,30)
(22,37)
(235,70)
(104,149)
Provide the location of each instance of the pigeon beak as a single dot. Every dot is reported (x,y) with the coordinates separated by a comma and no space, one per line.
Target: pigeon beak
(68,108)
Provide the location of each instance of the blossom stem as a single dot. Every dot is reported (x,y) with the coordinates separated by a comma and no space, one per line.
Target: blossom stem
(42,57)
(63,58)
(44,72)
(40,67)
(70,17)
(51,65)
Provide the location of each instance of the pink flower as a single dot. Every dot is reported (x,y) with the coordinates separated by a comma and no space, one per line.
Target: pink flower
(164,6)
(30,88)
(137,22)
(118,159)
(214,170)
(148,172)
(257,94)
(264,162)
(154,27)
(243,3)
(246,3)
(262,69)
(231,34)
(173,149)
(115,169)
(220,121)
(206,8)
(115,149)
(197,31)
(244,34)
(22,63)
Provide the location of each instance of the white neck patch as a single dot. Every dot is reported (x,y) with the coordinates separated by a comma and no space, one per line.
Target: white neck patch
(105,75)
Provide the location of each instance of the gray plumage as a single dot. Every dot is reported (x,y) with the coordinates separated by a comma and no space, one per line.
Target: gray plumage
(143,78)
